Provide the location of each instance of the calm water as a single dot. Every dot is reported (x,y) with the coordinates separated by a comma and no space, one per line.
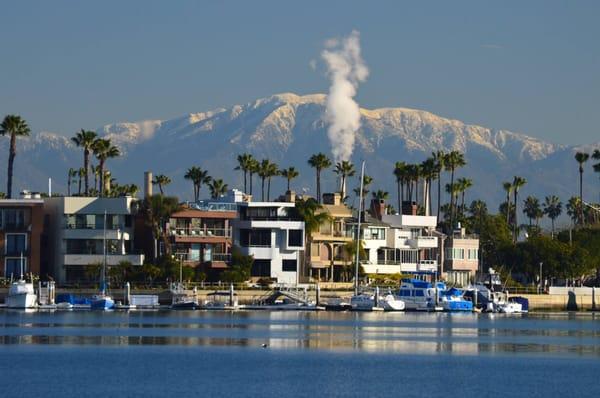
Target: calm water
(162,353)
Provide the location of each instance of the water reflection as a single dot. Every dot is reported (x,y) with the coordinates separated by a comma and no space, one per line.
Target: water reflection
(463,334)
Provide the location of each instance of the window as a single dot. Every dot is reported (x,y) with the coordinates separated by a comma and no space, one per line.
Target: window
(15,244)
(12,266)
(93,246)
(261,268)
(295,237)
(374,233)
(259,213)
(255,237)
(289,265)
(14,218)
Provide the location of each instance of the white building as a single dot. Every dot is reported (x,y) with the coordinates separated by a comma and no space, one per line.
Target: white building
(399,243)
(76,234)
(266,231)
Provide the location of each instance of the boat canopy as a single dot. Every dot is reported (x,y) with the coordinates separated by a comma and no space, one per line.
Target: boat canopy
(417,283)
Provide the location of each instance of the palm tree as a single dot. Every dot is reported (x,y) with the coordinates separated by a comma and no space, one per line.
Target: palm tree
(266,171)
(508,187)
(319,162)
(453,190)
(253,169)
(157,210)
(198,177)
(217,188)
(162,181)
(104,149)
(439,158)
(70,174)
(532,208)
(244,164)
(479,211)
(81,174)
(429,172)
(463,185)
(14,126)
(596,156)
(289,174)
(518,183)
(367,180)
(344,169)
(96,171)
(272,171)
(581,158)
(452,161)
(552,208)
(400,171)
(574,210)
(380,195)
(85,139)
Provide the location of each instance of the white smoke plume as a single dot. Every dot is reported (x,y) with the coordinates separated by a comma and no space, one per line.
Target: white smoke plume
(346,69)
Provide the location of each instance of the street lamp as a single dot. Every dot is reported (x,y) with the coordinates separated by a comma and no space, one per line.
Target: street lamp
(540,286)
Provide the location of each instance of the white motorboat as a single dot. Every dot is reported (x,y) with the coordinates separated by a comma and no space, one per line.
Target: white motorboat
(417,295)
(367,302)
(21,295)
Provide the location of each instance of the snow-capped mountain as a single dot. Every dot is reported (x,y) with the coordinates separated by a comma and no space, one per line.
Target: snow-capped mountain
(287,129)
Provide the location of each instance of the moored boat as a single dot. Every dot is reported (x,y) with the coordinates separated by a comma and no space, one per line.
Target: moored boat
(417,295)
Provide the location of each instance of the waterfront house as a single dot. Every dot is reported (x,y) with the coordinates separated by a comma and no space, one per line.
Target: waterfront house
(21,227)
(461,257)
(269,232)
(75,232)
(326,251)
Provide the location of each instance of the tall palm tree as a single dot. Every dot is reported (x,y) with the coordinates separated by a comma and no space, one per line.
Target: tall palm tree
(479,211)
(380,195)
(518,183)
(85,139)
(367,180)
(14,126)
(344,169)
(429,172)
(272,171)
(289,174)
(162,181)
(552,208)
(508,187)
(157,210)
(96,172)
(103,150)
(400,171)
(453,190)
(581,158)
(217,188)
(266,171)
(574,210)
(70,174)
(439,158)
(453,161)
(463,185)
(245,161)
(193,174)
(319,162)
(81,174)
(532,208)
(253,169)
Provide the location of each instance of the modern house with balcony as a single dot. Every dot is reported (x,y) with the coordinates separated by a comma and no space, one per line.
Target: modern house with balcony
(400,243)
(461,257)
(76,235)
(326,251)
(201,235)
(268,232)
(21,227)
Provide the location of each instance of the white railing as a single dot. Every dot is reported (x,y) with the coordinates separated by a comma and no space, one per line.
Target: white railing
(201,232)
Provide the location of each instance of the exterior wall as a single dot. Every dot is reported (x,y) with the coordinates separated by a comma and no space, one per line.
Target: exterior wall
(61,229)
(32,228)
(461,254)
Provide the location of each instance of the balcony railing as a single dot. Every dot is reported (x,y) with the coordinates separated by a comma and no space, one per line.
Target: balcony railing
(201,232)
(78,225)
(10,226)
(187,257)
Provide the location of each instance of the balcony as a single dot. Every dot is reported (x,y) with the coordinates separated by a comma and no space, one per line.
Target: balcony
(423,242)
(200,232)
(427,266)
(111,259)
(187,257)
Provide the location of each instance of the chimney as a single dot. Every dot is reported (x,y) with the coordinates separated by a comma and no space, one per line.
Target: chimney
(332,199)
(378,208)
(147,184)
(290,196)
(409,208)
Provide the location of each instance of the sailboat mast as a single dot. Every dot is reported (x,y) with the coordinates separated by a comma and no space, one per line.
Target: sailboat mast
(21,265)
(103,281)
(360,210)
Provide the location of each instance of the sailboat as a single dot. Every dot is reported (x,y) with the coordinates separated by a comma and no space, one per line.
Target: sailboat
(21,294)
(181,301)
(103,301)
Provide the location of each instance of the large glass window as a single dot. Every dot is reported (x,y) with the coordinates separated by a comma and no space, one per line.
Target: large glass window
(92,246)
(261,268)
(15,244)
(289,265)
(255,237)
(14,218)
(12,267)
(295,237)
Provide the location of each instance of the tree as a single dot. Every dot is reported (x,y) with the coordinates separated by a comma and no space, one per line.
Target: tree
(462,185)
(70,174)
(344,169)
(14,126)
(452,161)
(81,174)
(198,177)
(479,211)
(400,172)
(217,188)
(380,195)
(439,158)
(157,210)
(429,172)
(253,169)
(367,180)
(319,162)
(161,180)
(581,158)
(552,208)
(245,162)
(518,183)
(240,269)
(266,171)
(289,174)
(103,150)
(574,210)
(96,171)
(85,139)
(508,187)
(532,209)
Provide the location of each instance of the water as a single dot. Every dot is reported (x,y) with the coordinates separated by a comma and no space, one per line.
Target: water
(165,353)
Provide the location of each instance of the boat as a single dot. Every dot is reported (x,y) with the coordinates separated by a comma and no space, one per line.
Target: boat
(488,296)
(21,294)
(181,300)
(68,301)
(366,302)
(417,295)
(102,301)
(221,300)
(451,300)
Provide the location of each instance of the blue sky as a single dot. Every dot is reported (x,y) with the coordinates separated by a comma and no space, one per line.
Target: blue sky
(526,66)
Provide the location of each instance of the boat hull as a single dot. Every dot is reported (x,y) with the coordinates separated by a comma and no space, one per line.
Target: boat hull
(187,305)
(102,304)
(23,300)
